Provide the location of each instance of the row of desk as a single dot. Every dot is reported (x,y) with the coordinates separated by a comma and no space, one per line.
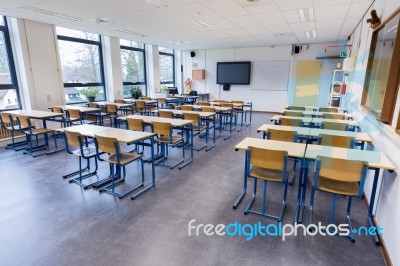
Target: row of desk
(306,153)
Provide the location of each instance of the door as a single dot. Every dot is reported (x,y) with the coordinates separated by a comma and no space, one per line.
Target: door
(307,79)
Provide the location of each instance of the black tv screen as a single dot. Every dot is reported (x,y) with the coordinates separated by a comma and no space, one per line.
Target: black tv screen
(237,73)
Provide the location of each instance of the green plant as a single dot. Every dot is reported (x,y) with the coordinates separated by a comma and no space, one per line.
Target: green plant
(164,89)
(90,92)
(136,92)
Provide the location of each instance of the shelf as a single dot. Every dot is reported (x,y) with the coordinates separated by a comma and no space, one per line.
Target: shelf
(198,74)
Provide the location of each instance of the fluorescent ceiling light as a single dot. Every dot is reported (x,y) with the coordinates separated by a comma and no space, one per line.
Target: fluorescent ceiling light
(156,3)
(306,14)
(308,34)
(301,14)
(314,33)
(203,25)
(178,42)
(230,39)
(49,13)
(132,33)
(311,13)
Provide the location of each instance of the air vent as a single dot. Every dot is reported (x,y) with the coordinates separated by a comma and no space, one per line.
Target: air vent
(49,13)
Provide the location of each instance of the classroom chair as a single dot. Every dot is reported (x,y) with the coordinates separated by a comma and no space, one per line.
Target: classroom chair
(75,144)
(334,126)
(112,113)
(204,103)
(162,103)
(226,116)
(268,165)
(292,113)
(165,138)
(336,141)
(119,159)
(284,121)
(31,131)
(198,126)
(296,108)
(328,109)
(334,116)
(186,108)
(99,115)
(339,177)
(135,124)
(59,110)
(119,101)
(124,110)
(165,114)
(141,107)
(219,101)
(75,117)
(12,125)
(284,135)
(145,98)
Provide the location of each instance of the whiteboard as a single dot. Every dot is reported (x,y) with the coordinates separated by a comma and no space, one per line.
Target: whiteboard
(270,75)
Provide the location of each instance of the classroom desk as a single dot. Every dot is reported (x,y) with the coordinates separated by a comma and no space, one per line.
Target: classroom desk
(176,123)
(202,116)
(316,120)
(187,98)
(122,135)
(82,109)
(315,113)
(119,105)
(246,104)
(314,132)
(294,149)
(39,115)
(374,159)
(316,108)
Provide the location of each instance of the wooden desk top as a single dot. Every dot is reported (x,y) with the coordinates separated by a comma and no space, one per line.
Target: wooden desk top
(175,122)
(35,114)
(316,108)
(316,120)
(124,135)
(374,159)
(294,149)
(315,113)
(180,112)
(300,130)
(217,108)
(83,109)
(86,129)
(186,96)
(132,101)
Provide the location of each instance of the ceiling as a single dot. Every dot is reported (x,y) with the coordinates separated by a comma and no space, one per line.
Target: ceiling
(233,23)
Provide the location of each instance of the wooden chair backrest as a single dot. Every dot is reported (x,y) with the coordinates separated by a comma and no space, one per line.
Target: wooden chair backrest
(112,108)
(162,128)
(192,116)
(296,108)
(208,109)
(73,138)
(119,101)
(74,113)
(106,144)
(334,126)
(187,108)
(337,141)
(283,121)
(165,114)
(204,103)
(335,116)
(134,124)
(282,135)
(268,159)
(56,109)
(292,113)
(341,169)
(328,109)
(161,100)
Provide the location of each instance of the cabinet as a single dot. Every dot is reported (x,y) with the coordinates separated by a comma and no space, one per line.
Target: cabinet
(198,74)
(338,80)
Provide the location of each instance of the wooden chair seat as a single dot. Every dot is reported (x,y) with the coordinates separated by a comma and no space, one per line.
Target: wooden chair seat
(199,128)
(167,139)
(338,187)
(87,151)
(17,127)
(267,174)
(124,158)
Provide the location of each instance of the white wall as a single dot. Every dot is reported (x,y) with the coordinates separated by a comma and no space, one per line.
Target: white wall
(262,100)
(384,137)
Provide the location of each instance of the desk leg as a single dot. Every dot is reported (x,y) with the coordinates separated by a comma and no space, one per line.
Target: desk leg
(371,205)
(251,113)
(230,124)
(302,180)
(191,149)
(241,120)
(213,134)
(246,170)
(153,173)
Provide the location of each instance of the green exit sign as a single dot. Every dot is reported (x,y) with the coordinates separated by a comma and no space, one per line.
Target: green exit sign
(343,54)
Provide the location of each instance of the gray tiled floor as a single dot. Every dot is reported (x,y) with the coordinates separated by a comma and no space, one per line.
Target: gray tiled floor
(46,221)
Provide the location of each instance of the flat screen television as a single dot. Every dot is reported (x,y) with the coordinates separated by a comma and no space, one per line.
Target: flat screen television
(236,73)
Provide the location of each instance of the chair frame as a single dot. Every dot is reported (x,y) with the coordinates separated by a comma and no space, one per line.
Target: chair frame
(13,145)
(333,209)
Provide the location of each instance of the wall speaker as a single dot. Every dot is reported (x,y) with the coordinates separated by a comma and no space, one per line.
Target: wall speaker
(192,54)
(226,87)
(297,49)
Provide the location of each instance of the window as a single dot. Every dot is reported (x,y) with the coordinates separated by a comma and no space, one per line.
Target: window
(167,67)
(382,80)
(8,79)
(81,63)
(133,63)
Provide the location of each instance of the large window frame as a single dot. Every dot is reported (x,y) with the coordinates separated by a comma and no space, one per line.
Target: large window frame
(140,83)
(172,55)
(11,65)
(98,43)
(390,96)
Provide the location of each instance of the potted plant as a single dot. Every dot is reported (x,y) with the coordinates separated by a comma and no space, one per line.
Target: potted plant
(90,93)
(136,92)
(165,90)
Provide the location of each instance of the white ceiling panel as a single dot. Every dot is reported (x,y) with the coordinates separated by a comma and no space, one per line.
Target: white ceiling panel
(331,12)
(329,24)
(259,9)
(290,4)
(270,19)
(245,21)
(252,23)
